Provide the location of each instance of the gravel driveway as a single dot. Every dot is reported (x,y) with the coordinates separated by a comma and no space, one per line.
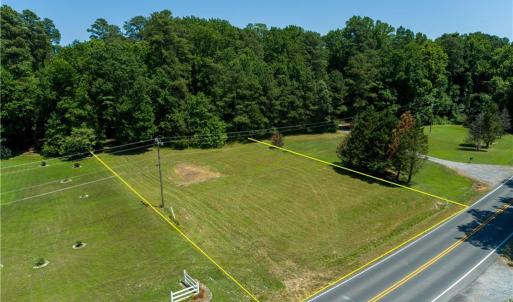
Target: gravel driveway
(489,174)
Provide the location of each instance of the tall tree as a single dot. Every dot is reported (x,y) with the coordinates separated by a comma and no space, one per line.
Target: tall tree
(486,126)
(408,146)
(505,120)
(101,29)
(492,124)
(367,146)
(26,43)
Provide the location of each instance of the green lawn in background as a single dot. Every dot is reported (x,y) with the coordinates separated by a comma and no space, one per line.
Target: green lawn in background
(449,142)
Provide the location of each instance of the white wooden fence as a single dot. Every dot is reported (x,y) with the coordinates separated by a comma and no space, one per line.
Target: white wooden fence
(192,288)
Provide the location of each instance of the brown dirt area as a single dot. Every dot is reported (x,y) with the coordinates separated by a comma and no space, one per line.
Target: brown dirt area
(188,174)
(481,187)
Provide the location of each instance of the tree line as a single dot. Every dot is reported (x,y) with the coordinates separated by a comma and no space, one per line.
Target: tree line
(161,75)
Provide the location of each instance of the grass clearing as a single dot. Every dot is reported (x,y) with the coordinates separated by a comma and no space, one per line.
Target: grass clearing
(304,223)
(449,142)
(283,225)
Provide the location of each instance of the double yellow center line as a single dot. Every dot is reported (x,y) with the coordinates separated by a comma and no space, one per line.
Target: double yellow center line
(441,255)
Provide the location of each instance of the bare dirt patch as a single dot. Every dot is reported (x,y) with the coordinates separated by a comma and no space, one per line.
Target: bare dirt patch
(481,187)
(188,174)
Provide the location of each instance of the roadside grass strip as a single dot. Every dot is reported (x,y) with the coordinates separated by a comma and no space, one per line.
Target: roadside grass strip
(390,251)
(359,173)
(441,254)
(176,228)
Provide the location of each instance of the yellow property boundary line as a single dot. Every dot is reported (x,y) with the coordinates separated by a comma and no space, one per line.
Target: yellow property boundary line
(175,227)
(334,282)
(359,173)
(433,260)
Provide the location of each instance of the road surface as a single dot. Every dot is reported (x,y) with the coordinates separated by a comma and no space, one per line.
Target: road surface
(440,263)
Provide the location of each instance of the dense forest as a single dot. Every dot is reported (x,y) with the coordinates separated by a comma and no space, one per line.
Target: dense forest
(167,76)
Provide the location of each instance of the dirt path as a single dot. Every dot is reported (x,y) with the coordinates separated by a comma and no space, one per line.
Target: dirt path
(489,174)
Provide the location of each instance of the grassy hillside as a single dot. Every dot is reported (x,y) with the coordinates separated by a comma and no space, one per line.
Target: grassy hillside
(282,224)
(449,142)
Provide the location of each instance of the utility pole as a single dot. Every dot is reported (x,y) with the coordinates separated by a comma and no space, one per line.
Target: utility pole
(159,143)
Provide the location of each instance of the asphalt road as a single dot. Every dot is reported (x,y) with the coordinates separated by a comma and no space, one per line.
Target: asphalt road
(440,263)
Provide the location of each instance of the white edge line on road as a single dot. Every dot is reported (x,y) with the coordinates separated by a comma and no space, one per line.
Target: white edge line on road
(59,190)
(409,244)
(473,268)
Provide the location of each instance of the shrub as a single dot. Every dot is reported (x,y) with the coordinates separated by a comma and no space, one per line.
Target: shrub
(277,139)
(5,152)
(43,164)
(76,165)
(80,140)
(212,135)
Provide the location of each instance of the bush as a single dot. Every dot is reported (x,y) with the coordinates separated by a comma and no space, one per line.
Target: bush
(76,165)
(75,145)
(5,152)
(81,140)
(43,164)
(213,135)
(277,139)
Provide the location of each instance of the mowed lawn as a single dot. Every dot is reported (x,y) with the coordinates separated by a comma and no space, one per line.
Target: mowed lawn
(282,224)
(432,178)
(131,255)
(450,142)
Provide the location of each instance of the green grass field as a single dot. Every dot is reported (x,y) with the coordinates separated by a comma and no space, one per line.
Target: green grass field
(131,255)
(449,142)
(281,224)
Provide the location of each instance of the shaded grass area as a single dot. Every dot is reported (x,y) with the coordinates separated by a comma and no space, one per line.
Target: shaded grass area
(131,255)
(27,158)
(449,142)
(283,224)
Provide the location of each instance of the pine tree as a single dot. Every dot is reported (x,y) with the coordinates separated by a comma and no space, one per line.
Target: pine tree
(476,131)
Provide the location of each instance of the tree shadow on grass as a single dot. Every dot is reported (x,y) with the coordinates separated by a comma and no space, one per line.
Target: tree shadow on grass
(131,152)
(470,147)
(366,179)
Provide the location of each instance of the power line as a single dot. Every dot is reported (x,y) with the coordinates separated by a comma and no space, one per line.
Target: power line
(77,154)
(152,139)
